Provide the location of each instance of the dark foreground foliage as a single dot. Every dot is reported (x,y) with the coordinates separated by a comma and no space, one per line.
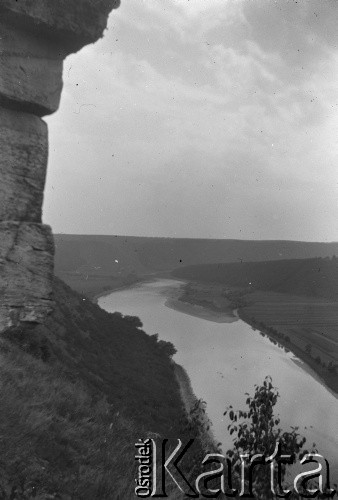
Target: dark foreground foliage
(76,394)
(257,431)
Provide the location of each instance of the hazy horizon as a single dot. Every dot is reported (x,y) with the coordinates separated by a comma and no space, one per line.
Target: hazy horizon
(186,237)
(199,119)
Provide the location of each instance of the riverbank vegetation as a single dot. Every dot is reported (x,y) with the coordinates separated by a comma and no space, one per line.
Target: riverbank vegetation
(210,296)
(327,369)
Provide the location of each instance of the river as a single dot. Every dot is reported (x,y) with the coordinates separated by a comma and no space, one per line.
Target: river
(225,360)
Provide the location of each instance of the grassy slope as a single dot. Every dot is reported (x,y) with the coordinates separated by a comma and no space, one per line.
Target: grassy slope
(76,394)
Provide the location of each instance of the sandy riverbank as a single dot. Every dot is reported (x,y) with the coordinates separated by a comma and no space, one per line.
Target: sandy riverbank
(200,311)
(104,293)
(137,282)
(195,305)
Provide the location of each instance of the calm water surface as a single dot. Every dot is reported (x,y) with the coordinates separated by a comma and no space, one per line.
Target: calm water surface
(225,360)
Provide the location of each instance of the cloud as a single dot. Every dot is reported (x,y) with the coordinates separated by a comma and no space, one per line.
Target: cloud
(197,118)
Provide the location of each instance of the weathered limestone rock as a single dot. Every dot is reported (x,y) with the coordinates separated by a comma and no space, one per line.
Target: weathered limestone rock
(26,266)
(35,37)
(23,160)
(30,72)
(72,23)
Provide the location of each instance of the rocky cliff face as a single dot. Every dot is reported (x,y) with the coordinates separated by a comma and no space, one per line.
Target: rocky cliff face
(35,37)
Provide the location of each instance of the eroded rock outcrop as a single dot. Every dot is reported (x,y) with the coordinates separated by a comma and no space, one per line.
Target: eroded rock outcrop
(35,37)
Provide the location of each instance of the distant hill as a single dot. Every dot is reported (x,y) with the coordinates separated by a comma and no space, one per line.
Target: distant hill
(122,255)
(312,277)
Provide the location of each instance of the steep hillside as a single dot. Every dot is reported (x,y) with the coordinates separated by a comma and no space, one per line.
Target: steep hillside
(76,394)
(310,277)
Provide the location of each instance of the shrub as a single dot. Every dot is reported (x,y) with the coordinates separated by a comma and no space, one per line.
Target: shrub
(256,430)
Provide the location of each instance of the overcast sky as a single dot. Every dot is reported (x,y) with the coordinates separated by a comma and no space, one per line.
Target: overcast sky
(201,118)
